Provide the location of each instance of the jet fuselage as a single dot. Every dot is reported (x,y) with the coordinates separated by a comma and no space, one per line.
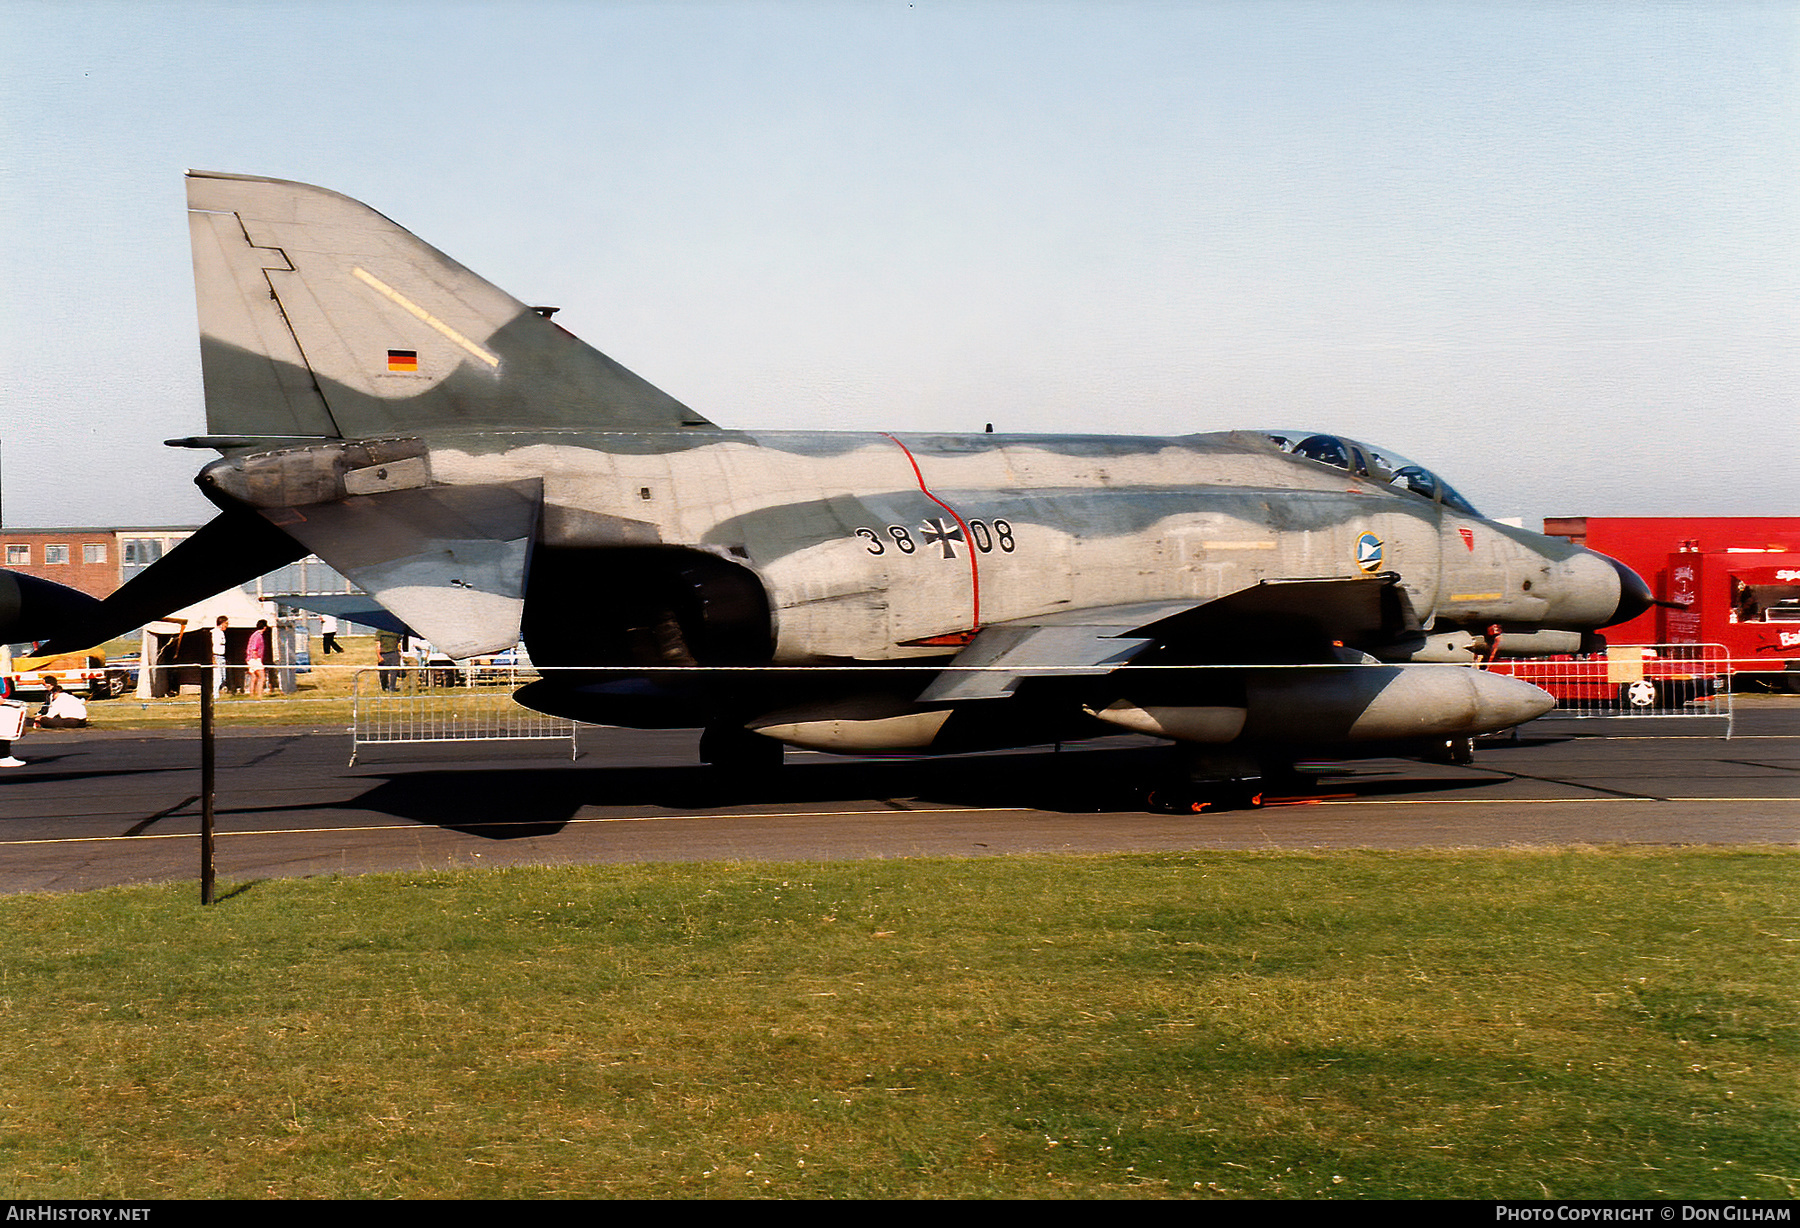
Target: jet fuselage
(887,546)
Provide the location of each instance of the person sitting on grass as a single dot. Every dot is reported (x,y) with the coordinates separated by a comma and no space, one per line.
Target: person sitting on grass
(62,711)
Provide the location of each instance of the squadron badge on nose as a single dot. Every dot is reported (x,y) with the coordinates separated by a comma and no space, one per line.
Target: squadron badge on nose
(1368,552)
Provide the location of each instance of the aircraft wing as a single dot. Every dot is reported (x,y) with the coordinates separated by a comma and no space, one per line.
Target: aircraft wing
(1072,643)
(1274,622)
(451,560)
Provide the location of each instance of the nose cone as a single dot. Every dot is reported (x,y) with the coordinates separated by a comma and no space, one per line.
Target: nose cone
(1634,595)
(1587,590)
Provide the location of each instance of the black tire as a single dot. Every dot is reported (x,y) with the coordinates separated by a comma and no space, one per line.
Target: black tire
(733,748)
(1639,695)
(1201,797)
(1458,751)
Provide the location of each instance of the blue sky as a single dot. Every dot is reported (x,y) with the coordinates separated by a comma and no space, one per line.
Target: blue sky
(1552,250)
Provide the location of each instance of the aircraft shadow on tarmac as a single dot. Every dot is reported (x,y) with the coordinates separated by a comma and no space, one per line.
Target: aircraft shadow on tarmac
(519,802)
(503,804)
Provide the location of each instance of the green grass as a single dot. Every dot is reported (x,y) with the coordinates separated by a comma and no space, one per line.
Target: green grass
(183,712)
(322,698)
(1527,1024)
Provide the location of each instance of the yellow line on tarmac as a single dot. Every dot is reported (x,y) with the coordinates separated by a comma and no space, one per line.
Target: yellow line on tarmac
(620,818)
(1537,801)
(803,814)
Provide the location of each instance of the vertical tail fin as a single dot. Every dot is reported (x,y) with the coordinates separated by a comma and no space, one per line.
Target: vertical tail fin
(319,317)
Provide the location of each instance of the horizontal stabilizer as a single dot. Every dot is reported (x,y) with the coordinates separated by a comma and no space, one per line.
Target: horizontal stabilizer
(232,549)
(32,608)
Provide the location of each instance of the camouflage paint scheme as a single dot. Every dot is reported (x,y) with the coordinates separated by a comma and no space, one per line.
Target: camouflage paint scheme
(482,472)
(1088,519)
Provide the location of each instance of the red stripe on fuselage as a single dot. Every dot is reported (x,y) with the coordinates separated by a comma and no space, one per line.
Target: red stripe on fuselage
(968,537)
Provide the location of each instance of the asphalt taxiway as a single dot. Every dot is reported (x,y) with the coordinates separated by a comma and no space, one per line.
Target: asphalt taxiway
(93,808)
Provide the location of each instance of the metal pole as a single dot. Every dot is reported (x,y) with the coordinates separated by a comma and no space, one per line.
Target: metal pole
(206,786)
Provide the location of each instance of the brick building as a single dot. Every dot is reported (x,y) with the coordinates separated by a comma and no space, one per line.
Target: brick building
(95,561)
(92,560)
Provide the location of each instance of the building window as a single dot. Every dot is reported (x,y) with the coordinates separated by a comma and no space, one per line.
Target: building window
(93,552)
(142,551)
(18,556)
(55,554)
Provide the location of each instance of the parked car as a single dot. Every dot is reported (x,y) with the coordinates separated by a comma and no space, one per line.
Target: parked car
(122,674)
(81,673)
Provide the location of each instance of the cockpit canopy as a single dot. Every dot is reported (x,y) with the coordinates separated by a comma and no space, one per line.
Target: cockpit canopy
(1376,464)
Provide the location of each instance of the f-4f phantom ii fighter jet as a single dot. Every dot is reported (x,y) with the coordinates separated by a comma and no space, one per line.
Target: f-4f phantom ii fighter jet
(485,476)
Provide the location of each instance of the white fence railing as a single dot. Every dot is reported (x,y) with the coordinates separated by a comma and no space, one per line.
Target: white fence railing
(462,704)
(409,705)
(1634,680)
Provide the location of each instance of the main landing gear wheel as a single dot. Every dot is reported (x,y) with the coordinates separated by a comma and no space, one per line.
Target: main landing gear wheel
(733,748)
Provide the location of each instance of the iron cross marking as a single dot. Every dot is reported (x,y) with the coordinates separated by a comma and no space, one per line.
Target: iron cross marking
(937,533)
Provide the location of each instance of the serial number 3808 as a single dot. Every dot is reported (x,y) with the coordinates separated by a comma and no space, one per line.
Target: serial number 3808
(986,537)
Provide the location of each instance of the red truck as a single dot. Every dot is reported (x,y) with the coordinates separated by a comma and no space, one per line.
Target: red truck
(1730,580)
(1748,602)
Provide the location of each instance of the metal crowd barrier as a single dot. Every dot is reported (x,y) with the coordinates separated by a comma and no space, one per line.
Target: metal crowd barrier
(458,703)
(447,705)
(1687,681)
